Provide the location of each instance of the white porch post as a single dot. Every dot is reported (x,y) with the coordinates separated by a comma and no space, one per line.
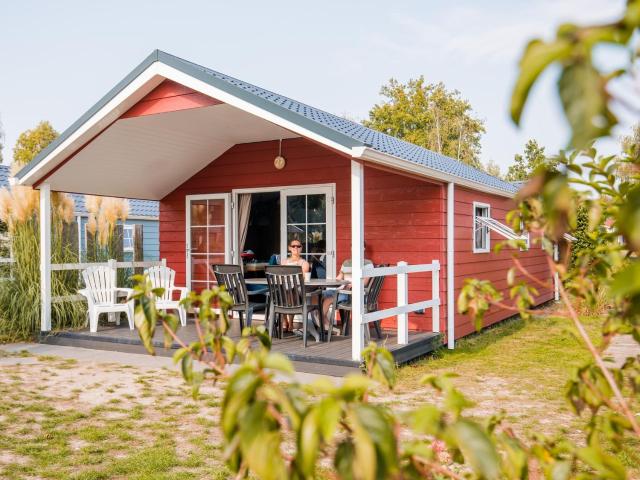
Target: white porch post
(451,311)
(357,258)
(45,257)
(403,300)
(435,295)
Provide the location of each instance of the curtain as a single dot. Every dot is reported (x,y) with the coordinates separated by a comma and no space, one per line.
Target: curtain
(244,209)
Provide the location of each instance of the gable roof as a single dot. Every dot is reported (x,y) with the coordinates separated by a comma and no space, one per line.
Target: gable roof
(137,208)
(363,136)
(349,136)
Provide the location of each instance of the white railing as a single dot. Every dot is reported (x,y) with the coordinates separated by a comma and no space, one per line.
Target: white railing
(61,267)
(402,310)
(109,263)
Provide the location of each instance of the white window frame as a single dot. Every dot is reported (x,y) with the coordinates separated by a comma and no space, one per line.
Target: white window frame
(487,249)
(227,229)
(327,188)
(131,228)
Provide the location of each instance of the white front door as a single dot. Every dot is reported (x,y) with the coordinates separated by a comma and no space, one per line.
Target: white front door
(208,231)
(308,214)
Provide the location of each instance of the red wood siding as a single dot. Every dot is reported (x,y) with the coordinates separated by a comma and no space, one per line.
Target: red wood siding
(250,165)
(169,96)
(403,216)
(405,219)
(489,266)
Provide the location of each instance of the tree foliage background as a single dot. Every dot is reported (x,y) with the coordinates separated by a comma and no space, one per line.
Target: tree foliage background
(431,116)
(33,141)
(524,166)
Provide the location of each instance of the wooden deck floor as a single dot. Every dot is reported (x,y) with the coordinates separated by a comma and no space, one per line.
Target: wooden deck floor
(332,358)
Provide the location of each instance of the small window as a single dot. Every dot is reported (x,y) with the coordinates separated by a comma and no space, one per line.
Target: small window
(480,232)
(127,238)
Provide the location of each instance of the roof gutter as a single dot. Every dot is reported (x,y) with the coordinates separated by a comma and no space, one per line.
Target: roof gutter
(375,156)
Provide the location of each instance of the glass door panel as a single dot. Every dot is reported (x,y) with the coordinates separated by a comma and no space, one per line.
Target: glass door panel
(207,238)
(304,217)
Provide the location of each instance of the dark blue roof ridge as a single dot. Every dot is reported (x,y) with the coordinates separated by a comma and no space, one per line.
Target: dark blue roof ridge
(366,136)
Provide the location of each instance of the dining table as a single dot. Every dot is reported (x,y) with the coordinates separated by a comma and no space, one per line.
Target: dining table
(311,284)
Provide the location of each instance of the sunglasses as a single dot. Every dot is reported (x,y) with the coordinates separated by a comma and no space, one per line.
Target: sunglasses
(295,246)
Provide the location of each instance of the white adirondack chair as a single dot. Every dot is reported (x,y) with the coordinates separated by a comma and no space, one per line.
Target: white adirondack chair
(164,277)
(102,295)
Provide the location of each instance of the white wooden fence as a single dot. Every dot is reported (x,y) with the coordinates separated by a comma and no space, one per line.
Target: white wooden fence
(402,310)
(59,267)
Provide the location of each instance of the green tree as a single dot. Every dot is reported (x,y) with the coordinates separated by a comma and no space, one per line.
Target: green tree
(31,142)
(492,168)
(524,166)
(431,116)
(583,240)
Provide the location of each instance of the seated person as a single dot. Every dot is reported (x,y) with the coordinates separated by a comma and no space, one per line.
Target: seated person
(295,249)
(345,274)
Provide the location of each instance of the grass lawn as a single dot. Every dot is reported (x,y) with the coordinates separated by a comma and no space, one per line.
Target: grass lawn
(520,367)
(60,419)
(63,419)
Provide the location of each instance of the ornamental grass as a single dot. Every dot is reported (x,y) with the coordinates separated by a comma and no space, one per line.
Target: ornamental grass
(20,291)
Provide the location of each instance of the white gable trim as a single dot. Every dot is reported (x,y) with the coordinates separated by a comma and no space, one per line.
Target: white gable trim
(118,105)
(203,87)
(134,92)
(158,71)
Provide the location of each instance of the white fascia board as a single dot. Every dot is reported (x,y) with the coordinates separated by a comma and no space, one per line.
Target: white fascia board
(229,99)
(155,73)
(367,153)
(99,121)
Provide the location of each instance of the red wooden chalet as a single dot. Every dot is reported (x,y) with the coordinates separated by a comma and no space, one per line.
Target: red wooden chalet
(205,145)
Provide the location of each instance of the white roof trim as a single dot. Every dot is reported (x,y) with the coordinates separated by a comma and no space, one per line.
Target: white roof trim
(202,87)
(125,99)
(153,75)
(150,78)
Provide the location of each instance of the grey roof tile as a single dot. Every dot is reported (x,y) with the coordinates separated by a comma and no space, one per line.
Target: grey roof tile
(341,130)
(366,136)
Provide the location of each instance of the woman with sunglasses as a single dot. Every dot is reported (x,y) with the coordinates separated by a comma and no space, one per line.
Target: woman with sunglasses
(294,258)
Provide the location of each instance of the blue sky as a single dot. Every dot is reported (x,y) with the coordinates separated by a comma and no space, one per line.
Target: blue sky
(58,58)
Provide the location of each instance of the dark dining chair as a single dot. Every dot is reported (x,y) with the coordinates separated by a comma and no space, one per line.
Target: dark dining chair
(232,278)
(287,296)
(371,296)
